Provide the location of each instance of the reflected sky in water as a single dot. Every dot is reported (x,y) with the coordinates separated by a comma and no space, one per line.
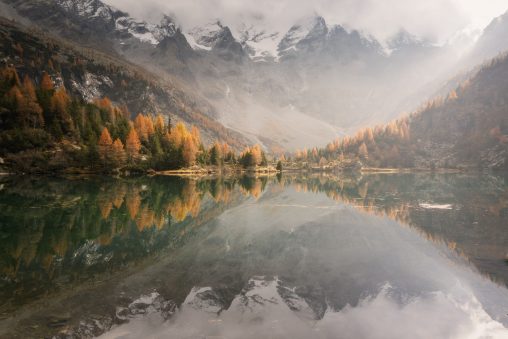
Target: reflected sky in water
(378,256)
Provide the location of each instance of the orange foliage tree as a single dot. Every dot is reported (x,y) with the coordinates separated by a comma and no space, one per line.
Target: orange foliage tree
(132,144)
(117,152)
(105,146)
(46,82)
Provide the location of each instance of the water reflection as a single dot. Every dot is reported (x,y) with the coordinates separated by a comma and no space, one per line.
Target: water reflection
(202,252)
(57,232)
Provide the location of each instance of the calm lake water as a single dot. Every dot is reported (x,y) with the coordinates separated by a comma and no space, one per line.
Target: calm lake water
(374,256)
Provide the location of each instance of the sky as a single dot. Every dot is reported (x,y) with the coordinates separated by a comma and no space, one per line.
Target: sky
(437,20)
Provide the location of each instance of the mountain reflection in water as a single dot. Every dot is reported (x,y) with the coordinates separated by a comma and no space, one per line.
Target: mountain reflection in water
(378,256)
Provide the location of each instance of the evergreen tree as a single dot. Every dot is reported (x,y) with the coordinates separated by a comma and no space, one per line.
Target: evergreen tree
(216,155)
(279,166)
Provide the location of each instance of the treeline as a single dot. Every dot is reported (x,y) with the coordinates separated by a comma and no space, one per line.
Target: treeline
(466,129)
(43,128)
(87,74)
(382,146)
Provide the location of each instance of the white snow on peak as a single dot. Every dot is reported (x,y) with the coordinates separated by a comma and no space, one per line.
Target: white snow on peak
(260,44)
(304,28)
(141,30)
(146,32)
(204,37)
(192,42)
(87,8)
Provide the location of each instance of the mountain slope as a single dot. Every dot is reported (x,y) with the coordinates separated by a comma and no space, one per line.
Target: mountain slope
(466,130)
(471,126)
(90,75)
(493,40)
(285,90)
(315,75)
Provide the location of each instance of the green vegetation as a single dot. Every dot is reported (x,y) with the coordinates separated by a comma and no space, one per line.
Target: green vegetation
(44,129)
(56,98)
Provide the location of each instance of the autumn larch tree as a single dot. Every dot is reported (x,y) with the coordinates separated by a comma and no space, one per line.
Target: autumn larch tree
(363,152)
(32,114)
(118,153)
(256,154)
(60,107)
(140,125)
(107,106)
(190,150)
(105,146)
(132,145)
(160,125)
(46,82)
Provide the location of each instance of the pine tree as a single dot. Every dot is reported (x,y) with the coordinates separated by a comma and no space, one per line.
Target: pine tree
(106,105)
(216,154)
(264,161)
(246,159)
(279,166)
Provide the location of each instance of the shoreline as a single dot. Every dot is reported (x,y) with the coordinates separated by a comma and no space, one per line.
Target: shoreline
(264,171)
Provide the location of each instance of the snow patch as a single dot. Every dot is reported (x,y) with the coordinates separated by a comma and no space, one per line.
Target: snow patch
(260,44)
(90,87)
(205,37)
(192,42)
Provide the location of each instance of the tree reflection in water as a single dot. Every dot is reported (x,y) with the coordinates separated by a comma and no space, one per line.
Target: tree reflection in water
(57,233)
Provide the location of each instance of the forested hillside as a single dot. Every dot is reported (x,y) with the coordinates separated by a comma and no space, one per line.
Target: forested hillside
(62,107)
(467,129)
(88,75)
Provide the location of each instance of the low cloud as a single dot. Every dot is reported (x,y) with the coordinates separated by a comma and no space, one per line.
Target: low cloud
(434,19)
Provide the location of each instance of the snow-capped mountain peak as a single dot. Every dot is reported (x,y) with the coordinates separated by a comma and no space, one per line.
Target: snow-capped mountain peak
(120,22)
(146,32)
(306,29)
(166,29)
(88,8)
(260,44)
(215,36)
(204,37)
(404,40)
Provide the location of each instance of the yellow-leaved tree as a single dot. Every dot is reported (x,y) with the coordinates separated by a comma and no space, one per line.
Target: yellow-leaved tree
(118,153)
(132,145)
(105,144)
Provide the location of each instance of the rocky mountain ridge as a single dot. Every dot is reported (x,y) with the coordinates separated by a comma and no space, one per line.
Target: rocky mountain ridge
(268,86)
